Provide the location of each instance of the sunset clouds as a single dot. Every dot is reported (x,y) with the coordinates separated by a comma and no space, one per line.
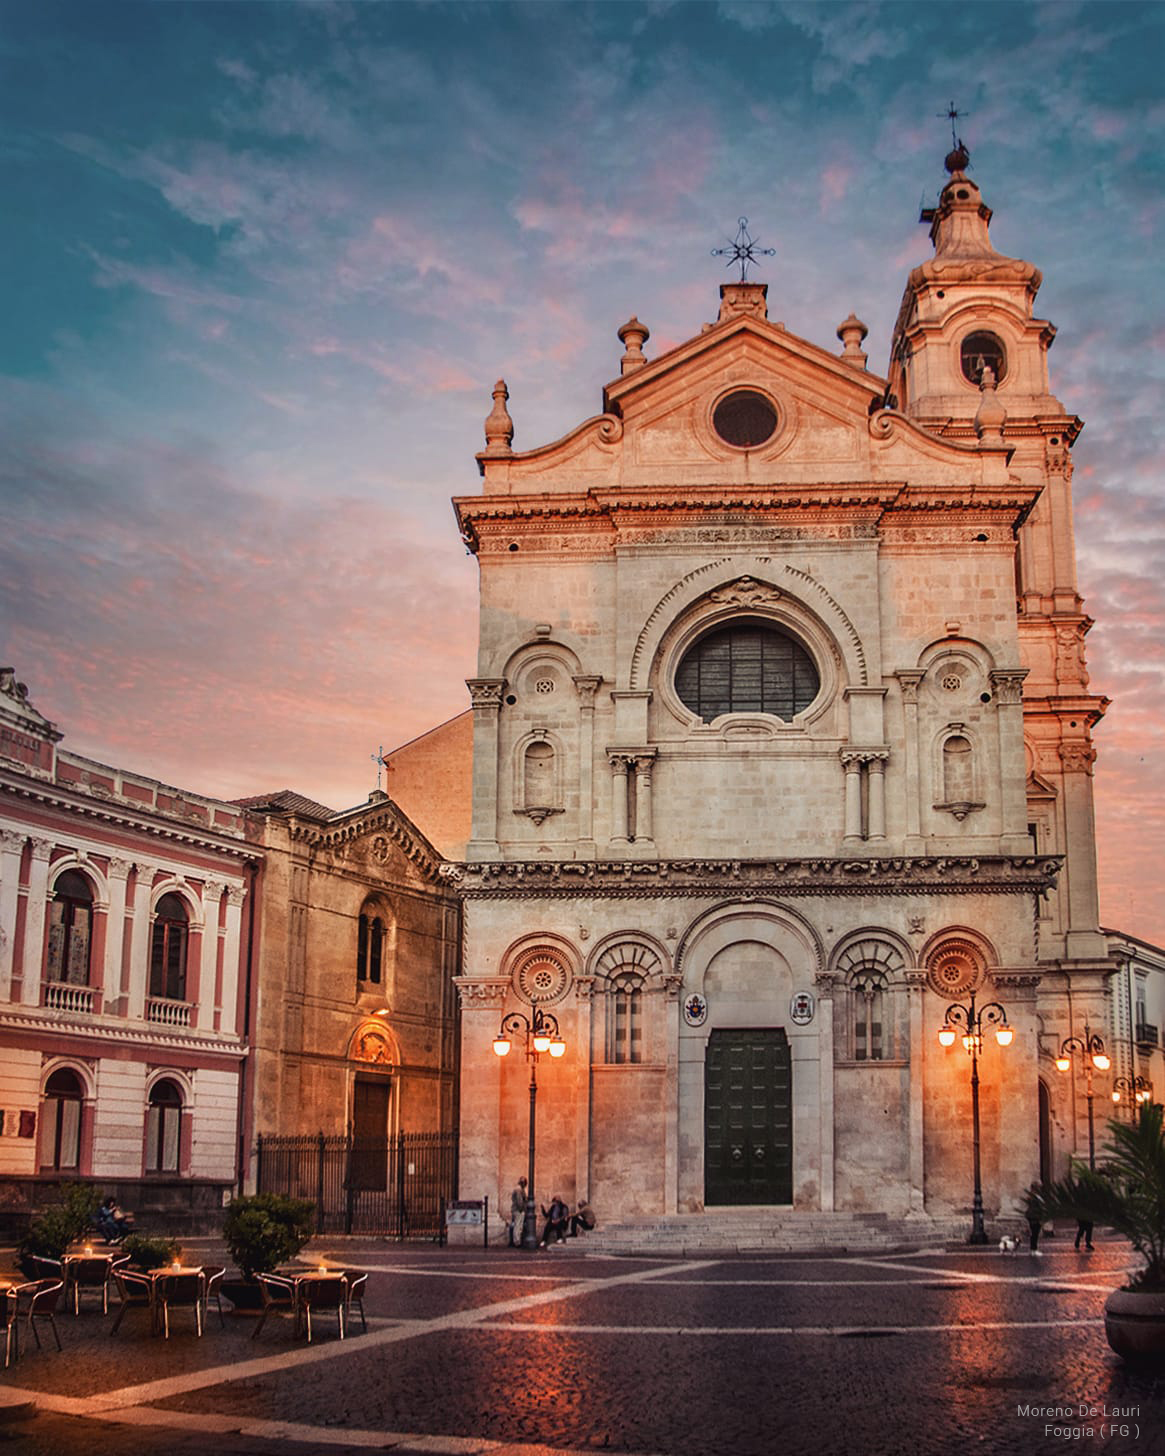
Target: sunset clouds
(265,262)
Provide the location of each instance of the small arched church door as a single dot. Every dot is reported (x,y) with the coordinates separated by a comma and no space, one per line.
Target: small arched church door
(748,1117)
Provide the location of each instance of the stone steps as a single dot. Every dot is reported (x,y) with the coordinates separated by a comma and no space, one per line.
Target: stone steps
(773,1231)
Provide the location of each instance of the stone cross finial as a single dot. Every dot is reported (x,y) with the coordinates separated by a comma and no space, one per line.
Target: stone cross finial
(634,335)
(499,428)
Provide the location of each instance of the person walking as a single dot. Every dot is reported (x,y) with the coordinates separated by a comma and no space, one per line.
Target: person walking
(1084,1231)
(517,1214)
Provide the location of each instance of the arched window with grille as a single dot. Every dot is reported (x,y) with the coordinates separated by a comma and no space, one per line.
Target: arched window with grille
(60,1122)
(869,994)
(70,929)
(164,1127)
(871,968)
(370,937)
(168,949)
(748,666)
(625,1021)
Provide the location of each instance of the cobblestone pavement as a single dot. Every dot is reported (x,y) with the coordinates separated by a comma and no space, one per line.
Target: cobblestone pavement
(506,1353)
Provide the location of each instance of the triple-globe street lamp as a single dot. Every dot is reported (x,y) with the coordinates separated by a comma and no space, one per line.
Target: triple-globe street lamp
(970,1021)
(1091,1048)
(541,1033)
(1137,1089)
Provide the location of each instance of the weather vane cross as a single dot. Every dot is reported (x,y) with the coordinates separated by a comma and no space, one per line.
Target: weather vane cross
(952,114)
(380,761)
(742,249)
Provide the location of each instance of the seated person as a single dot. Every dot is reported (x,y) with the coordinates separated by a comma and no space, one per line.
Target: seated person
(557,1217)
(112,1222)
(584,1219)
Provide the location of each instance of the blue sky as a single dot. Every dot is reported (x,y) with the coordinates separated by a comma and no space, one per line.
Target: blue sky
(265,263)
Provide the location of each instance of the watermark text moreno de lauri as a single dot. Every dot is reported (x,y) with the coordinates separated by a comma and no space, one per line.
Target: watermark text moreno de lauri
(1083,1419)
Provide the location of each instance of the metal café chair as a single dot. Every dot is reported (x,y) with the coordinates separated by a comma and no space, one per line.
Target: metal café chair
(89,1273)
(38,1300)
(212,1275)
(325,1292)
(11,1329)
(278,1296)
(137,1292)
(186,1290)
(357,1284)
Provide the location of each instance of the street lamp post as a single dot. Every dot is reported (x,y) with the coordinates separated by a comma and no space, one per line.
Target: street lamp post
(541,1033)
(971,1021)
(1137,1089)
(1091,1048)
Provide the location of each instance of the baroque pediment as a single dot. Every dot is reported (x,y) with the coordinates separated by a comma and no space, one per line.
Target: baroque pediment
(668,423)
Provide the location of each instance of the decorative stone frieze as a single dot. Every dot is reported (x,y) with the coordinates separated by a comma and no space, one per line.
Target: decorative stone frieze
(479,995)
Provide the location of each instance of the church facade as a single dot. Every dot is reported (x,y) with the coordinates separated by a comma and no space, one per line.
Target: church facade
(782,765)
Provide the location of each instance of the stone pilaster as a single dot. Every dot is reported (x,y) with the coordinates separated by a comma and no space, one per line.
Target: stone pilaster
(486,697)
(34,922)
(11,849)
(586,686)
(1008,687)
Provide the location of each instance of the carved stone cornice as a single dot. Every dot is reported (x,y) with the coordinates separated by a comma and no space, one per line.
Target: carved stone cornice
(1018,982)
(863,755)
(777,878)
(381,818)
(477,994)
(1008,684)
(151,1037)
(485,692)
(1077,757)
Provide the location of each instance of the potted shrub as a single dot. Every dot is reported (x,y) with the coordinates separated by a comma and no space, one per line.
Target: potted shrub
(150,1253)
(262,1231)
(61,1224)
(1128,1195)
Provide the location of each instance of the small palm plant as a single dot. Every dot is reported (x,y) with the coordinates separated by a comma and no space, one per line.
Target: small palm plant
(1127,1195)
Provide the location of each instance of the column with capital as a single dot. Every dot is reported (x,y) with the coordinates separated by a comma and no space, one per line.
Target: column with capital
(139,946)
(908,681)
(232,938)
(586,687)
(877,786)
(915,982)
(852,763)
(1009,716)
(619,791)
(11,849)
(825,1054)
(203,1014)
(485,694)
(584,988)
(1082,916)
(115,938)
(673,986)
(35,907)
(643,810)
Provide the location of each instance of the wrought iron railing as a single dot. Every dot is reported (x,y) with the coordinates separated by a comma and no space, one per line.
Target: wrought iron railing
(394,1186)
(1146,1034)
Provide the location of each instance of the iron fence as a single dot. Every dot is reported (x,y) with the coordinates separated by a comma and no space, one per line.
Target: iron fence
(397,1186)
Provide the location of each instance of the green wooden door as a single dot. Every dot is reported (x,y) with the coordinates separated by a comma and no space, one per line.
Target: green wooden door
(748,1117)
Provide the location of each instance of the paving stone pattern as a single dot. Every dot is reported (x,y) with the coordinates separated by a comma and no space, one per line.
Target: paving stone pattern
(513,1354)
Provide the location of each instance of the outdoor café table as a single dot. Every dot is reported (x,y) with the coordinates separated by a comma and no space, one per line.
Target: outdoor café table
(87,1270)
(298,1278)
(172,1271)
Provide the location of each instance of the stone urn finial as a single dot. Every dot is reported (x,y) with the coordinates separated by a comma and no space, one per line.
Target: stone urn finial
(851,332)
(991,414)
(499,428)
(634,335)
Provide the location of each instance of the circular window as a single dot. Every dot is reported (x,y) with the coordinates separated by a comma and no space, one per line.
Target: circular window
(982,351)
(747,667)
(745,419)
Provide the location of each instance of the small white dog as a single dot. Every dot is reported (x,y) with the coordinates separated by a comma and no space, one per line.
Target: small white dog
(1008,1244)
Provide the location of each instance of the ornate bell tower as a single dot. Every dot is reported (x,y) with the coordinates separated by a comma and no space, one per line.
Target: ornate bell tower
(969,360)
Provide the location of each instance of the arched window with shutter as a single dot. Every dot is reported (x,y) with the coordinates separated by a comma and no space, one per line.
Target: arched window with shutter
(60,1124)
(168,949)
(164,1127)
(70,929)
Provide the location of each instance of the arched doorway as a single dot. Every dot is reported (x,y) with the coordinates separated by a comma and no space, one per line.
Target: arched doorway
(1045,1105)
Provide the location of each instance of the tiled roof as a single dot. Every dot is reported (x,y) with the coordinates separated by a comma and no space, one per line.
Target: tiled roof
(286,801)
